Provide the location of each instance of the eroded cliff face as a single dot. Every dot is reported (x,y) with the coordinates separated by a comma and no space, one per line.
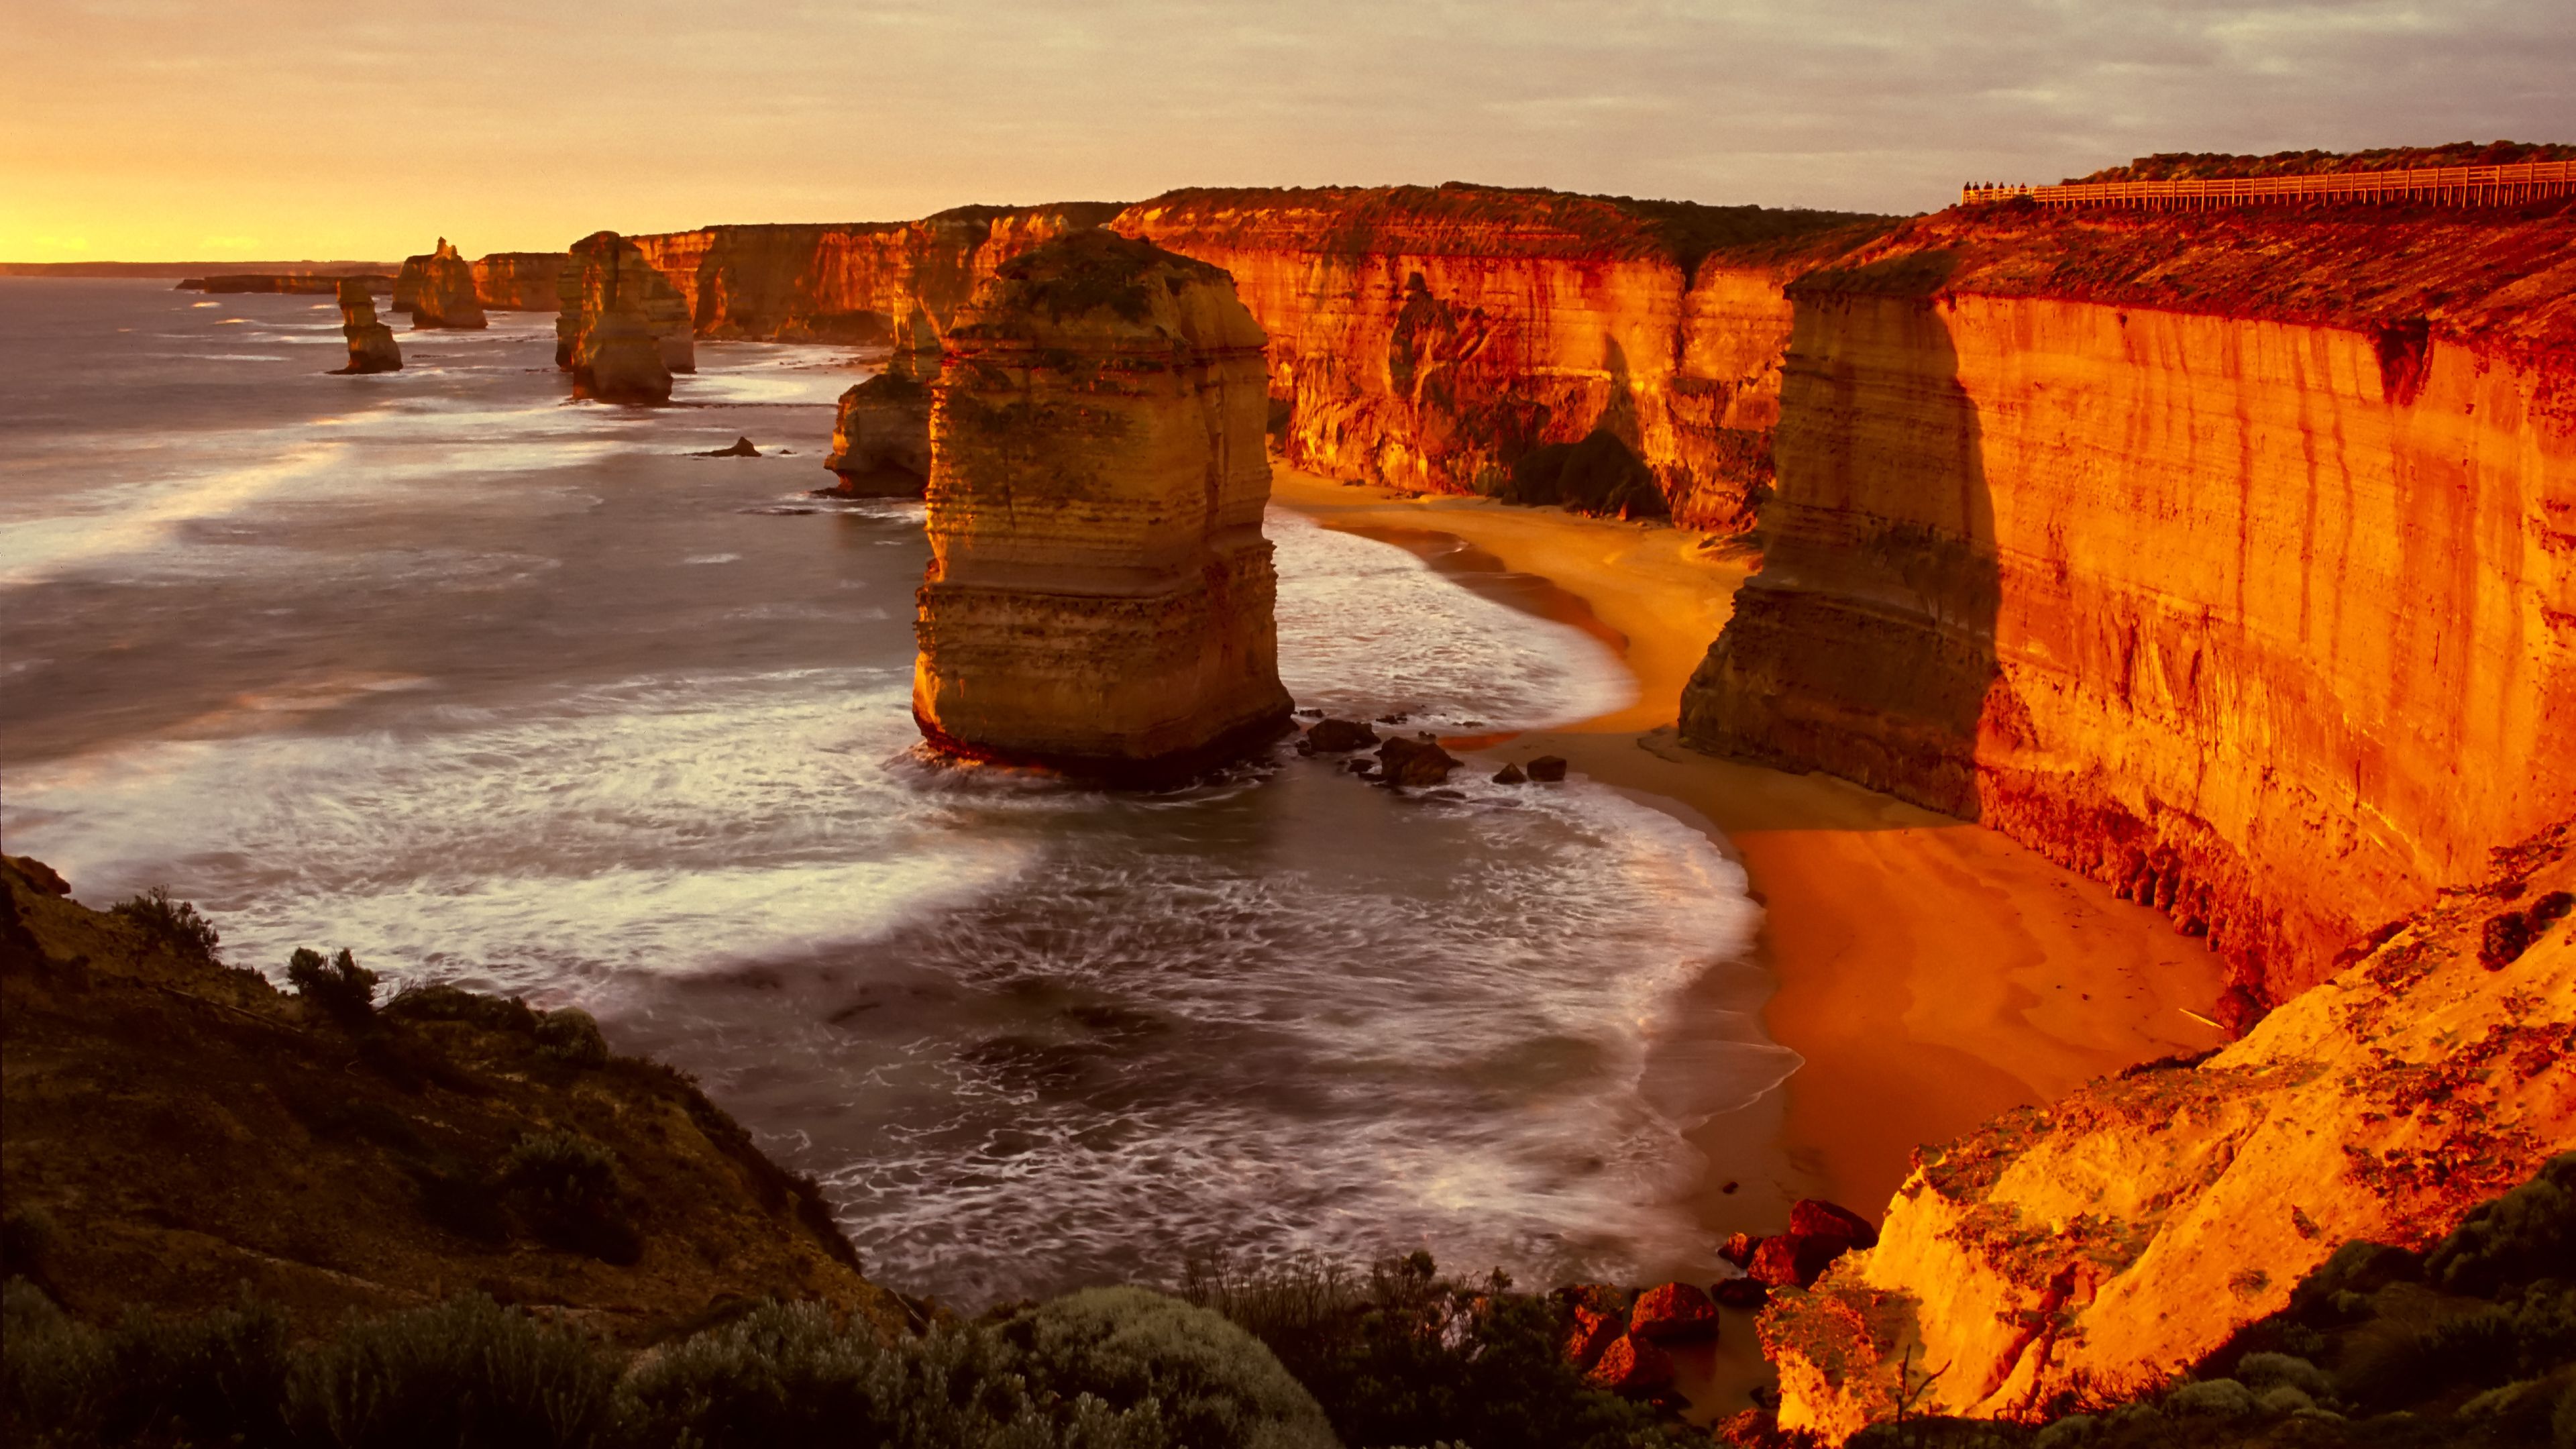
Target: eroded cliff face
(2230,562)
(605,273)
(1467,339)
(852,282)
(1099,596)
(519,281)
(438,289)
(2094,1248)
(1616,355)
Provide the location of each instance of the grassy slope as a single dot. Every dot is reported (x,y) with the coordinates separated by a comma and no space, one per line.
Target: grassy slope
(187,1133)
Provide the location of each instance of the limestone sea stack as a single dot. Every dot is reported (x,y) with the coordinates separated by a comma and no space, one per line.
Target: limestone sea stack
(371,343)
(442,290)
(881,438)
(1099,594)
(604,271)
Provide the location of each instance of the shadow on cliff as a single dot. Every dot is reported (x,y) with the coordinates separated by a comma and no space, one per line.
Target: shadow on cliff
(1865,646)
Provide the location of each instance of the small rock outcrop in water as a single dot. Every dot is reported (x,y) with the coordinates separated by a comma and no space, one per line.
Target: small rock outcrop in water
(441,290)
(371,343)
(1099,594)
(881,438)
(742,448)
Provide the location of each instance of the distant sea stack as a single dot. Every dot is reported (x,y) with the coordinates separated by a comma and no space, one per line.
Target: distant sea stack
(1099,594)
(605,270)
(371,343)
(881,439)
(440,290)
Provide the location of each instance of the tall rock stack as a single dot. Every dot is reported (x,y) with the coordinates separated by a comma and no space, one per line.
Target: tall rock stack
(881,438)
(371,343)
(605,266)
(442,292)
(1099,594)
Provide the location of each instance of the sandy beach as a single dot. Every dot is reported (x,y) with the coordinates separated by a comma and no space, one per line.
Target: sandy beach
(1931,972)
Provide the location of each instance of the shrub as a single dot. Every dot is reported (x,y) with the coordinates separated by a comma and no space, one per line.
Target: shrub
(340,986)
(465,1372)
(2266,1370)
(54,1379)
(28,1238)
(1210,1382)
(572,1035)
(1407,1357)
(209,1379)
(785,1377)
(2526,1232)
(442,1002)
(173,925)
(567,1185)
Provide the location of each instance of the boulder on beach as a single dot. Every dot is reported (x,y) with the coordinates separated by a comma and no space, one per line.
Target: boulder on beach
(1819,1218)
(1745,1293)
(1738,1249)
(1631,1365)
(1415,763)
(1589,1335)
(1675,1310)
(1511,775)
(1547,769)
(1796,1260)
(1340,736)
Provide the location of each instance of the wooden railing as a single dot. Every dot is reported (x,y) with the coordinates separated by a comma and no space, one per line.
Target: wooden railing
(2447,185)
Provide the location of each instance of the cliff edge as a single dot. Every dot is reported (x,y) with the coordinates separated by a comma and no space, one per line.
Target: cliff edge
(2227,557)
(2094,1249)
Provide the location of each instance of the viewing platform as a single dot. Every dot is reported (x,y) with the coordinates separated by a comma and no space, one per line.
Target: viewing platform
(2441,185)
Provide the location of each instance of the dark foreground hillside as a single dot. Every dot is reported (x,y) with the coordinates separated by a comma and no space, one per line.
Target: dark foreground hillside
(179,1133)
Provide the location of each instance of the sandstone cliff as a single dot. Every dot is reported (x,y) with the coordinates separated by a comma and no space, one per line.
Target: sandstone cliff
(1099,596)
(371,343)
(438,290)
(850,282)
(605,273)
(881,435)
(2227,558)
(1612,354)
(519,281)
(1470,339)
(188,1136)
(2097,1247)
(299,283)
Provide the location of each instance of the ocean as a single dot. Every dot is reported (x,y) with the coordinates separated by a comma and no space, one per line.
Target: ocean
(498,688)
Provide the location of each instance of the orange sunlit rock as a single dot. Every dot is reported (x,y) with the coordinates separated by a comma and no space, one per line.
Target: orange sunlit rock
(1099,596)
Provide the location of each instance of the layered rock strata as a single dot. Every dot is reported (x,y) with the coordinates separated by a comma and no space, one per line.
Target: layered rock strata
(1474,339)
(1099,597)
(605,273)
(519,281)
(1614,355)
(2230,560)
(881,435)
(2095,1248)
(850,282)
(371,343)
(438,290)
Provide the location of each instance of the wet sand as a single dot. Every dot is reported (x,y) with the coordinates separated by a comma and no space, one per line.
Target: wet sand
(1931,972)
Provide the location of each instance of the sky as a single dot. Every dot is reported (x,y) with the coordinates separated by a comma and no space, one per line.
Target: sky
(156,130)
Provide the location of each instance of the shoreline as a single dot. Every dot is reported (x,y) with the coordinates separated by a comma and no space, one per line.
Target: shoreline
(1931,973)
